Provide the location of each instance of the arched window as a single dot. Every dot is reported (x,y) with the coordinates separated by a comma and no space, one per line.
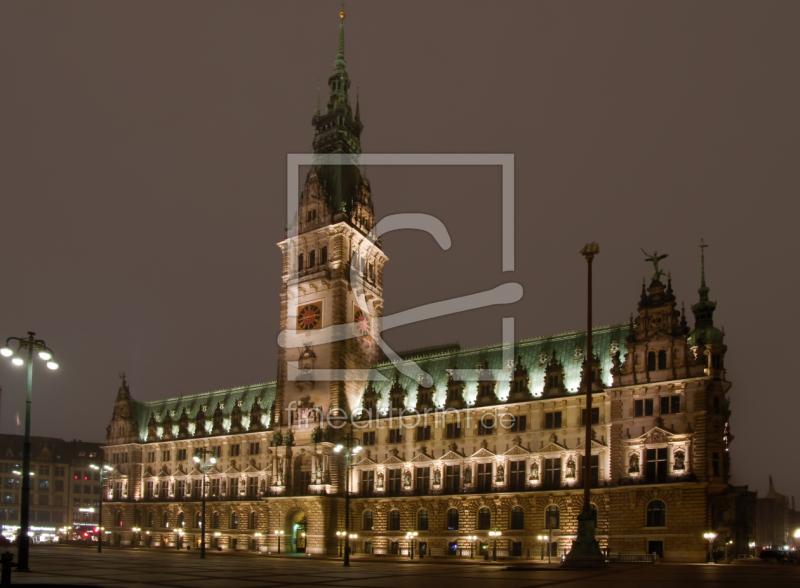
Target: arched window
(234,521)
(149,519)
(215,520)
(181,520)
(484,519)
(253,522)
(394,520)
(452,519)
(198,520)
(656,513)
(165,520)
(517,518)
(119,518)
(552,517)
(651,360)
(662,360)
(367,523)
(422,520)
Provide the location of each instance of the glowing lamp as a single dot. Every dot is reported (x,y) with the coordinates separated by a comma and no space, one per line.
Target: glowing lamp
(6,352)
(17,361)
(45,355)
(52,365)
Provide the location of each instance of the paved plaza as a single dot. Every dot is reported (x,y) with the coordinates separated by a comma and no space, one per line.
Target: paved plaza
(148,568)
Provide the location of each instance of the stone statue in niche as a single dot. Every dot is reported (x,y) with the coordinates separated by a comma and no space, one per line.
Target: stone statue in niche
(279,475)
(407,479)
(501,474)
(437,477)
(633,464)
(534,475)
(380,480)
(571,468)
(224,487)
(468,475)
(680,461)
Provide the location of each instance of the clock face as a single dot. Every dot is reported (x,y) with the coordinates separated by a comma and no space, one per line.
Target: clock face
(363,322)
(309,317)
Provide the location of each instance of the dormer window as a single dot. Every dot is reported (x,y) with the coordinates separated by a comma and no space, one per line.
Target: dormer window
(312,215)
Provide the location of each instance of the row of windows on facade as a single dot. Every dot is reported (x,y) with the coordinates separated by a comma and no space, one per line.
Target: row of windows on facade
(233,520)
(485,476)
(312,259)
(183,454)
(34,516)
(42,470)
(655,516)
(215,487)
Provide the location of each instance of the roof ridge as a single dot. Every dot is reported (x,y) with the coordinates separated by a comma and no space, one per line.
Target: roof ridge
(187,396)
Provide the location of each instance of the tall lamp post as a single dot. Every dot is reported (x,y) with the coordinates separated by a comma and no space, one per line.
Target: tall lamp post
(101,468)
(411,535)
(472,539)
(279,535)
(542,539)
(351,446)
(204,461)
(30,345)
(585,552)
(494,535)
(710,537)
(340,535)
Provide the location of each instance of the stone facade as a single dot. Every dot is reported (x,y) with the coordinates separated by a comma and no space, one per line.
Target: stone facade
(455,442)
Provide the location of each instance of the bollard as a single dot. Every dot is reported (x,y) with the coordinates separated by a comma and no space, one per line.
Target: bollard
(5,575)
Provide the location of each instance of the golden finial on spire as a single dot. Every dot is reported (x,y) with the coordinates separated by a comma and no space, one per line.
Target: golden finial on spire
(342,14)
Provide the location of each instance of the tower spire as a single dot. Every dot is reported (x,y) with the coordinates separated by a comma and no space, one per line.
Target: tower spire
(704,329)
(703,291)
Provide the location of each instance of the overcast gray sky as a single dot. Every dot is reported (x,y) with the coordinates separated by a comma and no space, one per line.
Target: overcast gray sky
(143,180)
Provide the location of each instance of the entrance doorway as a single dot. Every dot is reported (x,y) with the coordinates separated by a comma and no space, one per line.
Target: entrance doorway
(299,532)
(656,547)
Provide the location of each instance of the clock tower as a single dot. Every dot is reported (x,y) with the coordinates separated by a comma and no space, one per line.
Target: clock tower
(327,240)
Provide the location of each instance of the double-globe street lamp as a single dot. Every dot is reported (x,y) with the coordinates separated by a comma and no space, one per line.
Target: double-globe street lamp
(710,537)
(279,535)
(101,468)
(495,535)
(411,536)
(542,539)
(351,446)
(472,541)
(340,535)
(30,344)
(202,459)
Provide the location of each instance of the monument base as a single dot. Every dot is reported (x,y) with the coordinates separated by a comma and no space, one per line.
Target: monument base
(585,553)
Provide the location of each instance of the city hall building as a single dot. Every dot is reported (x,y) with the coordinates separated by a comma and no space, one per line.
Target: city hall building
(487,439)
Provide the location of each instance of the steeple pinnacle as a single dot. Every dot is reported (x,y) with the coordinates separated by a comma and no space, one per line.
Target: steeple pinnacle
(704,329)
(703,290)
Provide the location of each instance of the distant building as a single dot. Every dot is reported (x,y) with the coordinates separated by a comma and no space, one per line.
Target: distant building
(775,519)
(63,486)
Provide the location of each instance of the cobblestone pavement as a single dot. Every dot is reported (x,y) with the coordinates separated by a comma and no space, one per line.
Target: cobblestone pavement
(78,566)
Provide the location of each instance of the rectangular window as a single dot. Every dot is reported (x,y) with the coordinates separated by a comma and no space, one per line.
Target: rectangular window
(215,487)
(643,407)
(595,416)
(516,477)
(58,470)
(367,483)
(165,455)
(452,478)
(312,258)
(423,433)
(216,451)
(552,420)
(714,464)
(323,255)
(519,424)
(656,465)
(76,502)
(44,499)
(180,490)
(87,489)
(148,490)
(670,404)
(233,491)
(255,448)
(58,501)
(393,487)
(485,426)
(453,430)
(484,477)
(181,455)
(197,489)
(151,456)
(552,473)
(252,486)
(44,484)
(44,470)
(369,438)
(300,262)
(423,480)
(76,489)
(234,451)
(395,435)
(595,467)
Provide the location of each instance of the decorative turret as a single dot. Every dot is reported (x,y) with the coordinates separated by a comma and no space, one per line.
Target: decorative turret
(123,428)
(704,330)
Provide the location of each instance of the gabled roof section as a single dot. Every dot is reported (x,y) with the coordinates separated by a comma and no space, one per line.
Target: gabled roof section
(517,450)
(452,455)
(483,452)
(393,460)
(552,448)
(228,397)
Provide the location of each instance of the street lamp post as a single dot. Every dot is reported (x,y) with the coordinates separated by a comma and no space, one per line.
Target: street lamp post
(340,535)
(585,552)
(279,535)
(101,468)
(201,457)
(472,539)
(30,344)
(710,537)
(541,539)
(495,535)
(411,535)
(136,531)
(353,538)
(351,447)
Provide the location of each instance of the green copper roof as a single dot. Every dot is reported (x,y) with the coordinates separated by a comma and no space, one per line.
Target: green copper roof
(534,353)
(228,397)
(704,332)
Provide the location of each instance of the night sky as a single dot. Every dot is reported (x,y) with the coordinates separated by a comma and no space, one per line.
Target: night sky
(144,182)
